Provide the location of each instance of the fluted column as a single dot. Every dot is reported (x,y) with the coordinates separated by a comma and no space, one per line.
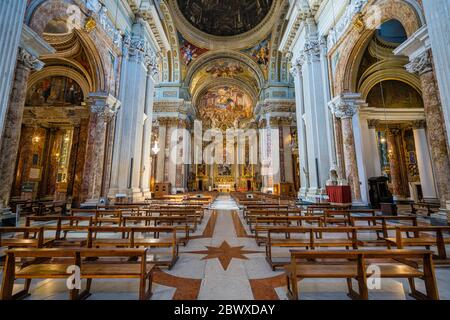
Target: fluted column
(424,161)
(315,112)
(422,66)
(131,148)
(327,95)
(103,109)
(147,139)
(11,18)
(301,127)
(345,107)
(13,124)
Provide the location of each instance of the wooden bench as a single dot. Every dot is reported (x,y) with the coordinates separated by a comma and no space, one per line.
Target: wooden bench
(432,207)
(348,239)
(192,216)
(179,223)
(61,226)
(263,224)
(423,237)
(54,263)
(22,237)
(132,237)
(354,265)
(382,221)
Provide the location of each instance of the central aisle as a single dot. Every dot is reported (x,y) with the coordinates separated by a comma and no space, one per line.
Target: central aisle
(227,276)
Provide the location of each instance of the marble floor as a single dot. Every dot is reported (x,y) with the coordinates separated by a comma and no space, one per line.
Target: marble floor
(222,261)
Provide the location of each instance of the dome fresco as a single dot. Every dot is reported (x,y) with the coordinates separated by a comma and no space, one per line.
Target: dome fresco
(225,17)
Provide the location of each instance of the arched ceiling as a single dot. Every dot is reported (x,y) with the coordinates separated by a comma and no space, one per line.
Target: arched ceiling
(225,17)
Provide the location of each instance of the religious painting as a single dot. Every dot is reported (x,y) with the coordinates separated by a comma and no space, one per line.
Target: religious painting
(225,107)
(225,18)
(225,69)
(201,170)
(248,170)
(55,91)
(411,157)
(261,54)
(189,52)
(224,170)
(394,94)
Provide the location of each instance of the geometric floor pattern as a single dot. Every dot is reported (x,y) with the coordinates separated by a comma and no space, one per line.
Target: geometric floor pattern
(223,262)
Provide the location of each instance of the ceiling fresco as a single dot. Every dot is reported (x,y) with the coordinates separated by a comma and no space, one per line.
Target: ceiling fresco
(225,107)
(223,69)
(260,53)
(189,52)
(225,17)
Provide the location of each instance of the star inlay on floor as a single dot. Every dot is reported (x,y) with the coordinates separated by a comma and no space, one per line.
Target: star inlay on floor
(225,253)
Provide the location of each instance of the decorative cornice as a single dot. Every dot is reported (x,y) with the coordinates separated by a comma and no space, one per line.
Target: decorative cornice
(346,105)
(353,11)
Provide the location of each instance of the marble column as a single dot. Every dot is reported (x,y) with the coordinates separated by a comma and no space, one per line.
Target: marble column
(424,161)
(301,127)
(103,109)
(394,163)
(374,161)
(345,107)
(13,124)
(437,13)
(11,19)
(287,153)
(436,130)
(339,148)
(161,156)
(171,146)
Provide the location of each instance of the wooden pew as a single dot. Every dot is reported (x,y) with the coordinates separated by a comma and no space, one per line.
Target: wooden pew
(382,221)
(423,237)
(128,237)
(353,265)
(61,226)
(179,223)
(191,215)
(432,207)
(264,223)
(348,239)
(56,265)
(31,237)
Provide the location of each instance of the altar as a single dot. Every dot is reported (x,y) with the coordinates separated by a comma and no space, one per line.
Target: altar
(225,188)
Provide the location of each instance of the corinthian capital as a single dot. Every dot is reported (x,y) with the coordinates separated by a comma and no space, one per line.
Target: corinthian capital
(29,61)
(346,105)
(421,64)
(312,49)
(297,65)
(104,105)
